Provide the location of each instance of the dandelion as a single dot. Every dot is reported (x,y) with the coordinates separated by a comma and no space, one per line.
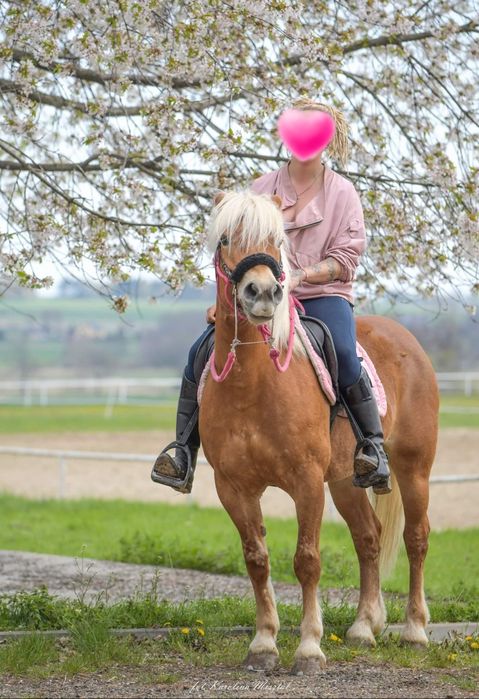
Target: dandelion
(185,630)
(201,631)
(468,638)
(336,639)
(474,645)
(452,657)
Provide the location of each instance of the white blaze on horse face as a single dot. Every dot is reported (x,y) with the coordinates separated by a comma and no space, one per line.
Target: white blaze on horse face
(259,294)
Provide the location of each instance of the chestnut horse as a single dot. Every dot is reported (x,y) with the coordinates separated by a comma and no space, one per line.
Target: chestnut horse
(264,421)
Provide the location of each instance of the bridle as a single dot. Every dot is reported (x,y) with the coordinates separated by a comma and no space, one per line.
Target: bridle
(231,279)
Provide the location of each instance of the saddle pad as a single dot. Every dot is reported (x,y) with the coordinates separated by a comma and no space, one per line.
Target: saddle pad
(324,377)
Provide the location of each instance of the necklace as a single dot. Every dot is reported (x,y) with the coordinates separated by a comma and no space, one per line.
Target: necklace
(298,194)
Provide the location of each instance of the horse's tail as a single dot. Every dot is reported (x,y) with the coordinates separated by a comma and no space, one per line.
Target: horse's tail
(390,512)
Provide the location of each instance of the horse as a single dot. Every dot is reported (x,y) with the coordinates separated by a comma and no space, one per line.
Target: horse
(264,421)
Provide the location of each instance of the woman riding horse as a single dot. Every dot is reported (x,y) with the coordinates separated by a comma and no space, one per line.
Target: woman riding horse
(323,218)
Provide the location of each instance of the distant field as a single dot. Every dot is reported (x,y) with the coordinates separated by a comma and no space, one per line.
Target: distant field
(97,309)
(89,418)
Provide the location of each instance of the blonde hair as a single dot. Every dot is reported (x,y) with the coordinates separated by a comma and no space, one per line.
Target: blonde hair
(339,146)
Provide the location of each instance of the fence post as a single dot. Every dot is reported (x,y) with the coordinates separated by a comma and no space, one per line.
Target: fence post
(62,473)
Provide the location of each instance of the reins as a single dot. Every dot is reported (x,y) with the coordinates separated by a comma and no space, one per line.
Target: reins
(232,278)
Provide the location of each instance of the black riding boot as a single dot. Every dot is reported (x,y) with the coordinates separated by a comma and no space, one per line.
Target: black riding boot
(370,460)
(178,472)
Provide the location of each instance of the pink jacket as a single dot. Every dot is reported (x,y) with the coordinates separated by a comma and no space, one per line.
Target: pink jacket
(330,225)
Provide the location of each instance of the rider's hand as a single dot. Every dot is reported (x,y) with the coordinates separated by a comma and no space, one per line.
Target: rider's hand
(211,314)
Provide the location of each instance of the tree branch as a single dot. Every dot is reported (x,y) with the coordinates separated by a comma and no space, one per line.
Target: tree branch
(398,39)
(92,108)
(154,166)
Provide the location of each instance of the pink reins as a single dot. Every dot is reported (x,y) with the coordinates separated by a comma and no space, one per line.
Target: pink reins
(274,353)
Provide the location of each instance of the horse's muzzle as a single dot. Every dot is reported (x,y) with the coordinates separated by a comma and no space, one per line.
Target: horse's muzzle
(259,302)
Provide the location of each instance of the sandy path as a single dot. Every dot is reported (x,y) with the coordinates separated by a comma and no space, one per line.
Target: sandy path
(452,505)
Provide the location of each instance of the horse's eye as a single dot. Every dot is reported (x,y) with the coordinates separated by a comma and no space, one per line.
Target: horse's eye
(224,240)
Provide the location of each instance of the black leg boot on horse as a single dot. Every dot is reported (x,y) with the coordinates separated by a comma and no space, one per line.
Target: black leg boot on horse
(178,472)
(370,460)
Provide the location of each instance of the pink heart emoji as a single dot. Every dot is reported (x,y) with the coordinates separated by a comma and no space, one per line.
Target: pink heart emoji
(305,133)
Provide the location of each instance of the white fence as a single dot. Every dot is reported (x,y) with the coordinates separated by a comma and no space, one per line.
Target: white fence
(63,456)
(109,391)
(116,390)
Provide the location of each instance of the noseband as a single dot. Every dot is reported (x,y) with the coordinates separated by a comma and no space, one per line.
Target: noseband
(236,275)
(232,278)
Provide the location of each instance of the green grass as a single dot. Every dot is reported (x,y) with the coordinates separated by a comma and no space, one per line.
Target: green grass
(86,418)
(91,418)
(206,539)
(91,646)
(456,419)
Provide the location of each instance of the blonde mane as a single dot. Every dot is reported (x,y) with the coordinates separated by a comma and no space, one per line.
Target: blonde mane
(251,222)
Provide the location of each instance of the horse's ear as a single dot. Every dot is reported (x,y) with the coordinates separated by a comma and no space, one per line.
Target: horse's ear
(277,200)
(218,197)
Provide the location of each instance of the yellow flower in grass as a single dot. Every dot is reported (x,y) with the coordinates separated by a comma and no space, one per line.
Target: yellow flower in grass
(452,657)
(200,631)
(468,638)
(474,645)
(200,621)
(336,639)
(185,630)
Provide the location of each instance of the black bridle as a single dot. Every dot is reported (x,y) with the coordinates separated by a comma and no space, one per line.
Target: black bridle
(259,258)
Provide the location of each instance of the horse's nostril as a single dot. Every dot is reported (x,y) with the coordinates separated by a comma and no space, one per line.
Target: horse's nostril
(278,293)
(251,291)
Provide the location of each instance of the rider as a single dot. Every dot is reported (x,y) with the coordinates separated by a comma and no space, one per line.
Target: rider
(324,220)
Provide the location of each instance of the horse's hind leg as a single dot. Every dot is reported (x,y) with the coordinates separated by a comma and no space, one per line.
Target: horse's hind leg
(245,511)
(414,485)
(309,501)
(356,510)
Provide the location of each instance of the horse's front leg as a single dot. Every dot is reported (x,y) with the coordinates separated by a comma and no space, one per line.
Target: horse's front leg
(309,501)
(245,511)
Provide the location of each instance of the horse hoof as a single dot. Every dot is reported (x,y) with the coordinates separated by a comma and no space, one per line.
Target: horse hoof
(308,666)
(261,662)
(361,638)
(414,636)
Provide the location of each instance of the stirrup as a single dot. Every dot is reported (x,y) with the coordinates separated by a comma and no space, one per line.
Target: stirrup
(175,482)
(367,464)
(368,476)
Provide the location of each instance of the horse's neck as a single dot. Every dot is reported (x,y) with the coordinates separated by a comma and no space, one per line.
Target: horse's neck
(251,357)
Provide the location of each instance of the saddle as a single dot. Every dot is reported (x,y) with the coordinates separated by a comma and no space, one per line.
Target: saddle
(320,338)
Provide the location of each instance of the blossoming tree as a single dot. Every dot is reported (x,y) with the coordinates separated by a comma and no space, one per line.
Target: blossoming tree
(121,120)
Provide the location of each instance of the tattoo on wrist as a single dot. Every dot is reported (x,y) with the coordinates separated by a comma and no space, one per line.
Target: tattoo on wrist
(331,266)
(331,269)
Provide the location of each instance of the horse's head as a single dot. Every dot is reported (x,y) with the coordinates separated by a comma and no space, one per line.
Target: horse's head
(247,232)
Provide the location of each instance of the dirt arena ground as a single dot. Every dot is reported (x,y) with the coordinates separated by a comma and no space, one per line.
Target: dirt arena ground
(452,505)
